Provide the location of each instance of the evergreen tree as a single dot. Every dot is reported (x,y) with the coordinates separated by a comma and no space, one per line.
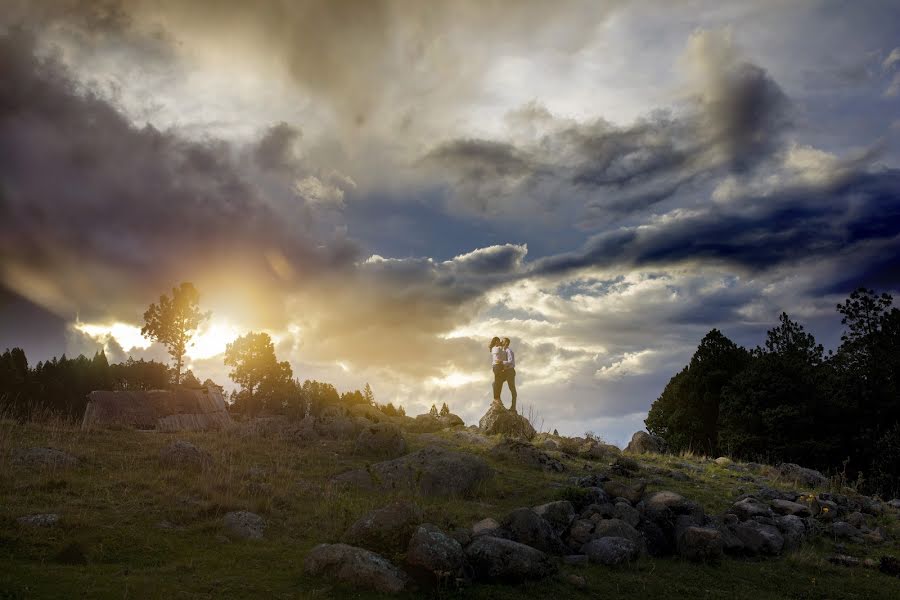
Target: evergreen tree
(434,411)
(445,410)
(369,395)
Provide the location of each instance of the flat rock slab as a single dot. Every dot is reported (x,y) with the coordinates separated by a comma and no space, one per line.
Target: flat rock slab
(46,458)
(356,567)
(432,471)
(41,520)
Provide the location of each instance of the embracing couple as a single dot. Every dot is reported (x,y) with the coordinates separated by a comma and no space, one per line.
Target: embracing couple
(503,363)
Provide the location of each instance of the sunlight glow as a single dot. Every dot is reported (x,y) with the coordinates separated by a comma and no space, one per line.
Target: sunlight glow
(127,336)
(455,379)
(211,340)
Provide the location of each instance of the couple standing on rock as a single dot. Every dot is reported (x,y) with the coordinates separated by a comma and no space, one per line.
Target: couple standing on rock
(503,363)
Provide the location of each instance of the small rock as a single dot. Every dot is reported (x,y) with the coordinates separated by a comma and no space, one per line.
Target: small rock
(559,514)
(793,530)
(617,528)
(844,530)
(244,525)
(525,453)
(575,560)
(723,461)
(40,520)
(434,556)
(627,513)
(380,439)
(46,458)
(575,580)
(786,507)
(527,527)
(749,508)
(802,475)
(356,567)
(485,526)
(184,453)
(610,550)
(386,529)
(500,560)
(758,538)
(700,544)
(617,489)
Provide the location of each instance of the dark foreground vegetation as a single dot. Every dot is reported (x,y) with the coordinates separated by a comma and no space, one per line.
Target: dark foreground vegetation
(788,400)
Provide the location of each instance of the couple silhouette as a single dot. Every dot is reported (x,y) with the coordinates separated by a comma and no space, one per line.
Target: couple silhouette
(503,364)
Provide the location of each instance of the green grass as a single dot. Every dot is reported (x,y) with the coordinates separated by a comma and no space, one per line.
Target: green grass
(112,503)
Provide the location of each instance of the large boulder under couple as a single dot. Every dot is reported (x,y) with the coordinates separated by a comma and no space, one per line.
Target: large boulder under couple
(505,422)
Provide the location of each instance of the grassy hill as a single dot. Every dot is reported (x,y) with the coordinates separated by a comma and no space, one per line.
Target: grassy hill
(132,528)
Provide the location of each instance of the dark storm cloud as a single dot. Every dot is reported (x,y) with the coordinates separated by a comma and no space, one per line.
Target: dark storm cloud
(95,207)
(276,148)
(734,123)
(762,233)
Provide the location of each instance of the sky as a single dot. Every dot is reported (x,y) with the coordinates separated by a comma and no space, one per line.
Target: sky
(384,185)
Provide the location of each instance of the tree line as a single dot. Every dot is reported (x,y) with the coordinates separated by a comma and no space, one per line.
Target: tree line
(266,385)
(790,401)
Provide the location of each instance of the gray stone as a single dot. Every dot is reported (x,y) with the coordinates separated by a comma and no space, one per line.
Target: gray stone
(40,520)
(381,439)
(758,538)
(786,507)
(43,458)
(485,527)
(723,461)
(559,514)
(844,530)
(627,513)
(895,503)
(617,528)
(580,533)
(244,525)
(182,453)
(434,556)
(433,471)
(498,420)
(632,493)
(857,519)
(524,525)
(610,550)
(793,530)
(749,508)
(505,561)
(700,544)
(522,452)
(802,475)
(356,567)
(575,560)
(645,443)
(386,529)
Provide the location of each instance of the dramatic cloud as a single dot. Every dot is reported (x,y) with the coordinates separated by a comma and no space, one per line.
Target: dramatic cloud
(384,185)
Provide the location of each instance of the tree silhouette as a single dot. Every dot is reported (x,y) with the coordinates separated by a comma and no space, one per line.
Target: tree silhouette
(368,394)
(434,411)
(173,322)
(255,368)
(445,410)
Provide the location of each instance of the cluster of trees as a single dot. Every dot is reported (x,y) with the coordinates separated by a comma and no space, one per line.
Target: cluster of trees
(60,385)
(790,401)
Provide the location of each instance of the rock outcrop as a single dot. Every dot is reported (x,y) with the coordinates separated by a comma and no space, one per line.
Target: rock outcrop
(643,442)
(498,420)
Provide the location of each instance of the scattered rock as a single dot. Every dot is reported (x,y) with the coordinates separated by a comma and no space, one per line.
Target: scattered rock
(802,475)
(701,544)
(786,507)
(244,525)
(759,538)
(559,514)
(627,513)
(40,520)
(610,550)
(182,453)
(498,420)
(381,439)
(433,556)
(793,530)
(749,508)
(499,560)
(580,533)
(428,423)
(575,560)
(485,527)
(645,443)
(385,530)
(575,580)
(624,465)
(844,530)
(433,471)
(356,567)
(524,525)
(522,452)
(723,461)
(46,458)
(617,528)
(631,493)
